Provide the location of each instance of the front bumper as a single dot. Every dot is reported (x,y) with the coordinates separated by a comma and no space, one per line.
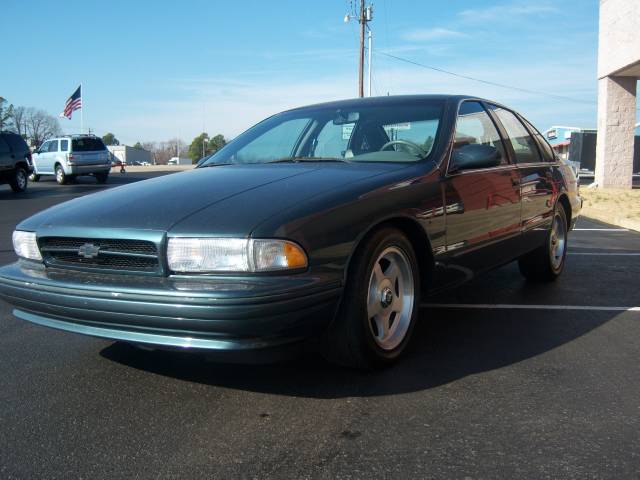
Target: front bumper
(220,314)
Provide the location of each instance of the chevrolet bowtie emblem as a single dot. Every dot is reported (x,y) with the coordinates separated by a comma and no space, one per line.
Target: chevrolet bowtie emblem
(88,250)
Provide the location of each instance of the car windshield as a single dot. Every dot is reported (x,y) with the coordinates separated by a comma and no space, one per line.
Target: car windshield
(87,144)
(391,132)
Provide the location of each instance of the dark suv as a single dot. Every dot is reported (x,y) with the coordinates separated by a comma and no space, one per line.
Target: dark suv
(15,161)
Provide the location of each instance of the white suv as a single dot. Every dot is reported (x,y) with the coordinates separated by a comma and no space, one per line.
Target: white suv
(72,155)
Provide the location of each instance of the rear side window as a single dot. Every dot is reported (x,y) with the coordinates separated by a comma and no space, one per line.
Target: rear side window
(64,145)
(16,142)
(4,147)
(87,144)
(545,148)
(524,146)
(53,146)
(475,127)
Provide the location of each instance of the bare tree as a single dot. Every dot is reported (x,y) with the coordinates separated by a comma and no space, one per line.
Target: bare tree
(19,120)
(40,126)
(6,110)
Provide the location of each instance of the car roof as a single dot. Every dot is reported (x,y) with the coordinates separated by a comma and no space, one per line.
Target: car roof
(389,99)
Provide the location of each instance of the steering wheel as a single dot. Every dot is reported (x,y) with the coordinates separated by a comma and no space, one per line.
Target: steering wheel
(421,151)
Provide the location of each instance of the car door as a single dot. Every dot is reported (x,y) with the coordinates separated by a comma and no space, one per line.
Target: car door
(52,155)
(482,205)
(40,159)
(538,187)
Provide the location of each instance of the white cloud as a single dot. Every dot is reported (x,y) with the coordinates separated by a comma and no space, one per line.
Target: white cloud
(425,34)
(231,105)
(507,11)
(234,103)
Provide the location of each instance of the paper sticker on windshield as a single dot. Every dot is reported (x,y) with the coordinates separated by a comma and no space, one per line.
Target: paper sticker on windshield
(347,129)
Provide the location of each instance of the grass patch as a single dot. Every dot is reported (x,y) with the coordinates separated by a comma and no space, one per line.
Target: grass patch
(611,205)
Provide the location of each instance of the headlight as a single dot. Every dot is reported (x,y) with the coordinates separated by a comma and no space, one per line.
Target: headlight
(233,255)
(25,245)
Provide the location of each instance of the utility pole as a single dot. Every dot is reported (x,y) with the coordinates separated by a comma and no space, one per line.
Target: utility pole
(363,25)
(370,51)
(365,15)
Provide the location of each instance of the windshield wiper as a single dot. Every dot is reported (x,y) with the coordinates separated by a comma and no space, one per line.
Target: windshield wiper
(206,165)
(307,159)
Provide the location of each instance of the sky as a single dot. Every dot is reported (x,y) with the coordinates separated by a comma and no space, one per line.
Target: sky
(156,70)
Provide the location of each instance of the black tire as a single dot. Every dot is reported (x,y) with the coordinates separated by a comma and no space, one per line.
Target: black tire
(101,177)
(545,264)
(34,177)
(61,177)
(350,339)
(19,180)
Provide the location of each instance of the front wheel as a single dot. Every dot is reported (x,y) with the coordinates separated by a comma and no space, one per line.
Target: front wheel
(545,264)
(61,177)
(18,181)
(380,303)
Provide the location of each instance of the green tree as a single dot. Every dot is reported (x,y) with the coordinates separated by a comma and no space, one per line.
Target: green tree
(202,146)
(110,139)
(216,143)
(199,147)
(6,114)
(139,146)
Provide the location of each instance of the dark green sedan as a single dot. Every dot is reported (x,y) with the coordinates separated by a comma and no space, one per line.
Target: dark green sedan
(320,226)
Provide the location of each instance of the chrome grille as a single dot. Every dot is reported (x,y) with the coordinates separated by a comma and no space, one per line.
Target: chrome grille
(101,254)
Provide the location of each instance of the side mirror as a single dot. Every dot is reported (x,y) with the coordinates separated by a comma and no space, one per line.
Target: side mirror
(473,156)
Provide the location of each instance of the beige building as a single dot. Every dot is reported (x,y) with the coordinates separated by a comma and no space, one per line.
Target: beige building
(618,74)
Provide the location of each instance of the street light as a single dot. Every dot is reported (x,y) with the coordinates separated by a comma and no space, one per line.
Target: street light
(205,137)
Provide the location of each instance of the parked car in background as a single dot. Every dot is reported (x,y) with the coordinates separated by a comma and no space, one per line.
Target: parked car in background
(328,222)
(179,161)
(71,156)
(15,161)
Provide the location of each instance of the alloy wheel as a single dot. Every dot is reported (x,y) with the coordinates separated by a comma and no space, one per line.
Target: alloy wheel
(21,179)
(558,242)
(390,298)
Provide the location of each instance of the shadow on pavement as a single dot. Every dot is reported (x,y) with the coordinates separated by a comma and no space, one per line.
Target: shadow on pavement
(448,345)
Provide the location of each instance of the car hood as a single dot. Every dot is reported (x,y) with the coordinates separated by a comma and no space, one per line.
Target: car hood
(225,200)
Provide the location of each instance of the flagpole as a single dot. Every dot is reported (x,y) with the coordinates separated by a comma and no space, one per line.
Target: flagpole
(81,110)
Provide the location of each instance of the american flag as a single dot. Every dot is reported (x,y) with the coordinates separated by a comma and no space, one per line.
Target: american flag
(73,103)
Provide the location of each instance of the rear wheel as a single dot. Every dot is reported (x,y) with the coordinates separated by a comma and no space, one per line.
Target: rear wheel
(18,181)
(380,303)
(101,177)
(546,263)
(34,177)
(61,177)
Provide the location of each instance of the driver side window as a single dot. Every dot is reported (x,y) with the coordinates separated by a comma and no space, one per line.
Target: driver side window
(475,127)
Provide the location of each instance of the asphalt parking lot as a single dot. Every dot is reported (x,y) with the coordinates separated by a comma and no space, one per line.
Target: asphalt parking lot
(504,380)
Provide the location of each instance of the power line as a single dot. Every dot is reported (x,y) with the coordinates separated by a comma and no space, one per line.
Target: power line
(487,82)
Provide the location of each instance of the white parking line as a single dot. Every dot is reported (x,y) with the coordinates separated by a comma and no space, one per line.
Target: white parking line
(600,230)
(506,306)
(605,253)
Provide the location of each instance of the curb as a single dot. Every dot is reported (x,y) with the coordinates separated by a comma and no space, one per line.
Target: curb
(612,220)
